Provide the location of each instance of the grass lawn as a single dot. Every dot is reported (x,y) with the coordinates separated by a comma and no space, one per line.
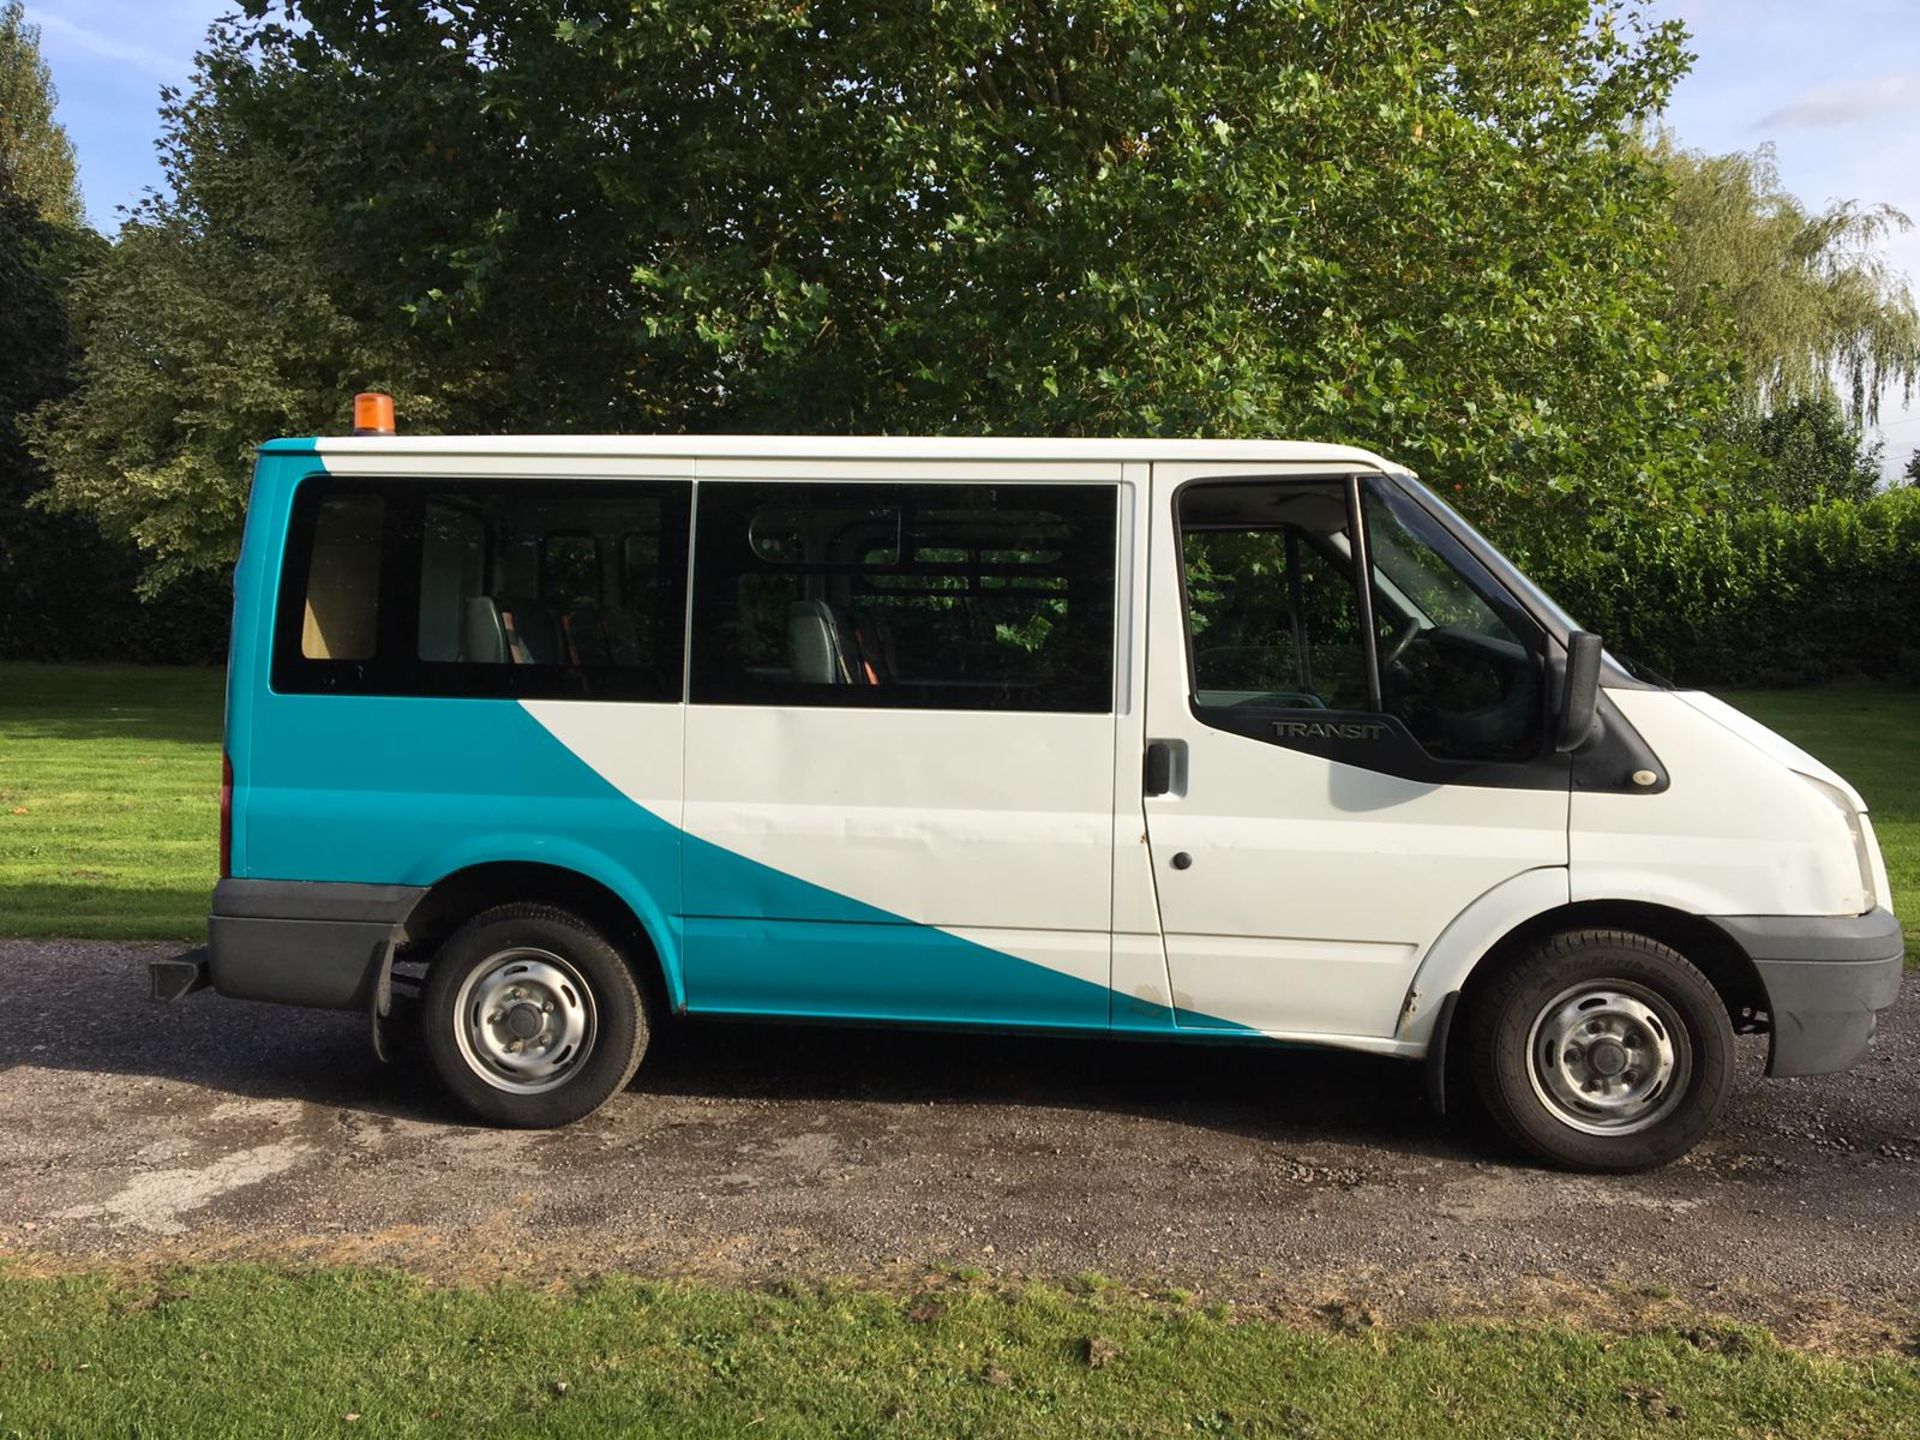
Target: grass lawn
(109,800)
(242,1352)
(109,791)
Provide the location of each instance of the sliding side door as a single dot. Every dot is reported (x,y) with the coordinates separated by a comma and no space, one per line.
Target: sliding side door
(899,750)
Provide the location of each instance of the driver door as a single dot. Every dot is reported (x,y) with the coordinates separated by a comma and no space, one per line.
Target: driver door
(1355,715)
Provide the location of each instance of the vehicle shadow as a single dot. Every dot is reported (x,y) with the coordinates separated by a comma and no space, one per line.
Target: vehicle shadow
(1294,1094)
(91,1015)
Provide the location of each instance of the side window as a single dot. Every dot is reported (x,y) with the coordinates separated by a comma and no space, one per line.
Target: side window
(1275,624)
(962,597)
(570,571)
(484,589)
(1272,616)
(339,603)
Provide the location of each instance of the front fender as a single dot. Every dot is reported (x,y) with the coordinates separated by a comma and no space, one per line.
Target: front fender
(1465,942)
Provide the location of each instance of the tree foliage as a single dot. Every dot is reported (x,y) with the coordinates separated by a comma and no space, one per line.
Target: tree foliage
(36,157)
(44,562)
(1805,451)
(1814,309)
(1422,228)
(208,328)
(64,591)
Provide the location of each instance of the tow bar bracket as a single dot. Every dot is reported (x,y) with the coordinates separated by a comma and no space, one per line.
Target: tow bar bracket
(179,977)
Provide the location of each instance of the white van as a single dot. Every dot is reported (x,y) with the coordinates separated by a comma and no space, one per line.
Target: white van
(1182,740)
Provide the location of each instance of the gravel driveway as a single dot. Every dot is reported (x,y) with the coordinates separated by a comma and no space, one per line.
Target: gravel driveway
(132,1133)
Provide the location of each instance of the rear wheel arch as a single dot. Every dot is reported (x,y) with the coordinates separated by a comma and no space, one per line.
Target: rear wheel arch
(458,897)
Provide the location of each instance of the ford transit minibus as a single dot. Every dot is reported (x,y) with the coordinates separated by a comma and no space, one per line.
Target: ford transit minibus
(554,738)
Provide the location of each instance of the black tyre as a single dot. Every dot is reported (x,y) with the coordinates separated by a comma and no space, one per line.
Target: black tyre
(532,1017)
(1602,1050)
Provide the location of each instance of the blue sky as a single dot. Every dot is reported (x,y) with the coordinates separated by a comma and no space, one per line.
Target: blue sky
(1833,84)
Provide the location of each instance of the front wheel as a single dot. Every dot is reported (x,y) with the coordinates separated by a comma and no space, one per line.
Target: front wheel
(1603,1050)
(533,1019)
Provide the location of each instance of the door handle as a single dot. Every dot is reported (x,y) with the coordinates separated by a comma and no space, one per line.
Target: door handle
(1159,768)
(1159,774)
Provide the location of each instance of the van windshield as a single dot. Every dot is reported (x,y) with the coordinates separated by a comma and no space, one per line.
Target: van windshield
(1543,605)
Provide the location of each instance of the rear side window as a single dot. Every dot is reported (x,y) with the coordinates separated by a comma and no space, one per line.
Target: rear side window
(340,606)
(956,597)
(520,590)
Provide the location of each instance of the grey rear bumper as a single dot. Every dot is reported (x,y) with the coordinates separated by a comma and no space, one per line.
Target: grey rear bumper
(319,943)
(1827,978)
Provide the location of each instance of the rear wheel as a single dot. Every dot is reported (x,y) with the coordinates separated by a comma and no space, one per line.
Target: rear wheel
(532,1017)
(1603,1050)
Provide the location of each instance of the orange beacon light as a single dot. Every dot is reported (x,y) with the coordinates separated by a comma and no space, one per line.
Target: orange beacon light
(373,414)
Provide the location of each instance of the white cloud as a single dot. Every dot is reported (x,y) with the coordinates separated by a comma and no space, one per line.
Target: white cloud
(1848,104)
(60,30)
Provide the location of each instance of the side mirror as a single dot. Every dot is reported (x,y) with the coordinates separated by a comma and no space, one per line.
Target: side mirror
(1580,694)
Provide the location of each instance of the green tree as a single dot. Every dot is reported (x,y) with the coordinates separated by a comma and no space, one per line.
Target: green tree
(1421,228)
(208,328)
(36,157)
(50,567)
(66,592)
(1814,308)
(1806,451)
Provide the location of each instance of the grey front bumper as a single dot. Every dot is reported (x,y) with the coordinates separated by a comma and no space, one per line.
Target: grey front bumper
(1827,978)
(301,942)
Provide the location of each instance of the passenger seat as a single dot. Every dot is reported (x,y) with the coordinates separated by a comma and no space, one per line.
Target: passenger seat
(483,637)
(587,636)
(497,629)
(533,634)
(820,646)
(875,638)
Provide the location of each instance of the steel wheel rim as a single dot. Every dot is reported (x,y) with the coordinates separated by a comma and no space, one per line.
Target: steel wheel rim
(1609,1057)
(525,1020)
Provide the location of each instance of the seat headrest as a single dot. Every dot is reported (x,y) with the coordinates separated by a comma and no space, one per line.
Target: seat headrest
(483,638)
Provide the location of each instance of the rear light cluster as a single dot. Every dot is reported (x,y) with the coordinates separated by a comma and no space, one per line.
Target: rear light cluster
(226,815)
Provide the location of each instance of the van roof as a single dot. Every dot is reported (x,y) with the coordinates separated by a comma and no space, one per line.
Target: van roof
(837,447)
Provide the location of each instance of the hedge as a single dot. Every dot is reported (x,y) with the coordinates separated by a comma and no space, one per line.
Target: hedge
(1764,597)
(76,599)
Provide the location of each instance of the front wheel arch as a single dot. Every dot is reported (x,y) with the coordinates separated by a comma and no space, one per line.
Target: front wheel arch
(1705,946)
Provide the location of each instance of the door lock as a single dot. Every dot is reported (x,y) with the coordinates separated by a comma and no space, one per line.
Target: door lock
(1182,860)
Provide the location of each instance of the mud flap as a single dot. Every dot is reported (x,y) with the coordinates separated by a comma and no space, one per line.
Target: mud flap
(1437,1053)
(380,1008)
